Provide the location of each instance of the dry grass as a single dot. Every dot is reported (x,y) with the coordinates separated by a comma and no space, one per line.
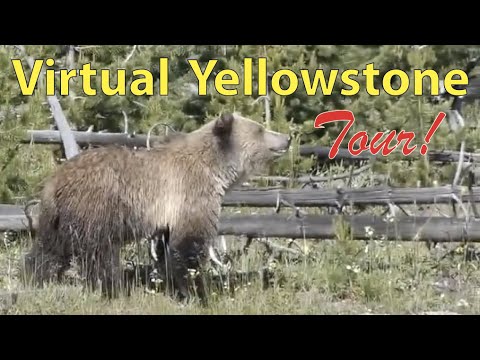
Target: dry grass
(338,277)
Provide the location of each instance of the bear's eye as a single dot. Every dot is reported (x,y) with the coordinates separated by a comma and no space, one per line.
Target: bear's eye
(260,130)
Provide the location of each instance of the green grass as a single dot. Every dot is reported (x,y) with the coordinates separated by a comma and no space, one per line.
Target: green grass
(338,277)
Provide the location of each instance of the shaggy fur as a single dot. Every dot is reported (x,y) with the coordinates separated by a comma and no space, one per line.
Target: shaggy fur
(106,197)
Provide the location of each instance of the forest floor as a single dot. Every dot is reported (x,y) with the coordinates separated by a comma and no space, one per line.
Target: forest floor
(342,276)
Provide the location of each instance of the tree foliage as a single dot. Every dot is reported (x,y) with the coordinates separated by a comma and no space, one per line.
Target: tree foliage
(24,166)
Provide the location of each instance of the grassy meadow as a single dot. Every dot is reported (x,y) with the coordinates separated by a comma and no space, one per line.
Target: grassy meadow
(335,276)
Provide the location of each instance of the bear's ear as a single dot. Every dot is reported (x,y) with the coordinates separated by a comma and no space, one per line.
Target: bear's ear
(223,125)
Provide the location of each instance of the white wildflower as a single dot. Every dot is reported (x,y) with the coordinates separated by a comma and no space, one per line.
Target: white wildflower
(192,272)
(390,217)
(272,265)
(354,268)
(369,231)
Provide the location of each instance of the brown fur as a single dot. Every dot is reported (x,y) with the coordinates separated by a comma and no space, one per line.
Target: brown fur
(106,197)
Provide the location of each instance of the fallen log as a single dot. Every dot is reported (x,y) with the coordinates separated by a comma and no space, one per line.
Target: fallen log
(442,156)
(315,179)
(332,197)
(340,197)
(67,138)
(322,153)
(13,223)
(84,138)
(439,229)
(11,210)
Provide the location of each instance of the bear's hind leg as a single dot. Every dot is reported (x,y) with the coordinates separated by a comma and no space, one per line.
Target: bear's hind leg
(41,267)
(101,266)
(111,280)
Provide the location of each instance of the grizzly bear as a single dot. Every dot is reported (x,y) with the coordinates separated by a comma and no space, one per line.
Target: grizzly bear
(104,198)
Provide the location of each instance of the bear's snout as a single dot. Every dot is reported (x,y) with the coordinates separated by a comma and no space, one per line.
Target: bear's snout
(278,143)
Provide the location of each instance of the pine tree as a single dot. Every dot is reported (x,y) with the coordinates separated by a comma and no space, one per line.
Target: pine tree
(24,166)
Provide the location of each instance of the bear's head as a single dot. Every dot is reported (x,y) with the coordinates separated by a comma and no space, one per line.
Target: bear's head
(249,145)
